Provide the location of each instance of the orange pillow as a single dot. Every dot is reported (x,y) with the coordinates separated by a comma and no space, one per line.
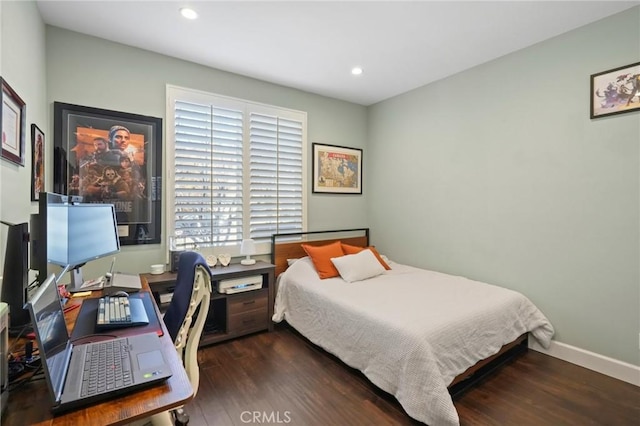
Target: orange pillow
(321,258)
(355,249)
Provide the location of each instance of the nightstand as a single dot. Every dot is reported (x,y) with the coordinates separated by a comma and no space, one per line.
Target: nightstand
(230,315)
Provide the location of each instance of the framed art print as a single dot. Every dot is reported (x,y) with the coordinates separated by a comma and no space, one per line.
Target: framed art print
(337,169)
(615,91)
(12,119)
(111,157)
(37,162)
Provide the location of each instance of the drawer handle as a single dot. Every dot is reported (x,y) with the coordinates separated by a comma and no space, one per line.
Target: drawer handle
(249,302)
(248,321)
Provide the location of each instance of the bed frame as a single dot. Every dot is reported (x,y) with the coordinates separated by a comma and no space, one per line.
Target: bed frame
(288,246)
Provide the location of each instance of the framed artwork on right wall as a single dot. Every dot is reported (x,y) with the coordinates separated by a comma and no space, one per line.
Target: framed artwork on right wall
(615,91)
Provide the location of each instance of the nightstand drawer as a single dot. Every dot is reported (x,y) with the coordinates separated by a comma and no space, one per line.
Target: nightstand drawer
(250,321)
(256,300)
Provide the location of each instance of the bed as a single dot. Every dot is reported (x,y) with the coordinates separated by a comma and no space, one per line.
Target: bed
(412,332)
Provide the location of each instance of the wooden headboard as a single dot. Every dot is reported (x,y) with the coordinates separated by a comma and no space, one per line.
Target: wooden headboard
(288,246)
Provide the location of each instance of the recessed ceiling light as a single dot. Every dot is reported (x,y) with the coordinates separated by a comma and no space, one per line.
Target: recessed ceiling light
(356,71)
(188,13)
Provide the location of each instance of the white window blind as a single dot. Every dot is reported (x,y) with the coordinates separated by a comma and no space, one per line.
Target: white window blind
(237,170)
(276,176)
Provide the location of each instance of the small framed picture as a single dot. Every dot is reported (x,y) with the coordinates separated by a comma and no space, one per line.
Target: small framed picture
(615,91)
(12,119)
(337,169)
(37,162)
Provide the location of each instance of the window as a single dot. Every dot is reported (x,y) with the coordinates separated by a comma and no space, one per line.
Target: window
(236,169)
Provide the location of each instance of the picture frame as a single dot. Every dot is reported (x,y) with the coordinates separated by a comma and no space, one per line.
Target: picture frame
(37,162)
(12,122)
(113,157)
(336,169)
(615,91)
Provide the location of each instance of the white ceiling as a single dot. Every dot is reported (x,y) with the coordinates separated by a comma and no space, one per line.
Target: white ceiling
(312,45)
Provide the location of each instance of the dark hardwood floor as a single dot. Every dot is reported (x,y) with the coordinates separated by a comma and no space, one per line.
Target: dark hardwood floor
(280,378)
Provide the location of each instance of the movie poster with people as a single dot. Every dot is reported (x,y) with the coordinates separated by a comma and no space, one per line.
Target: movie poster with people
(112,157)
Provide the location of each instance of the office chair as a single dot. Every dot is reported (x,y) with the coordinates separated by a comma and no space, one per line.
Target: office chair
(192,293)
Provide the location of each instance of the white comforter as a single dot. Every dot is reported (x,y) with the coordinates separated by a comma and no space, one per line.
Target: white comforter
(410,331)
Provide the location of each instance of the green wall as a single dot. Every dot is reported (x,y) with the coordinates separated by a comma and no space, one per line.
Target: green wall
(93,72)
(22,65)
(498,174)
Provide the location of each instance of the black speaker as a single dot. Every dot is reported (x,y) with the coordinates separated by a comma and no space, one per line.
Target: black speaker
(174,260)
(15,276)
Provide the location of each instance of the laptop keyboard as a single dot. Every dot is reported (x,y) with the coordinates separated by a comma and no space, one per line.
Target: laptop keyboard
(113,310)
(107,367)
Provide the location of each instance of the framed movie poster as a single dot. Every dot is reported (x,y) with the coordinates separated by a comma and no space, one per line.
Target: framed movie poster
(112,157)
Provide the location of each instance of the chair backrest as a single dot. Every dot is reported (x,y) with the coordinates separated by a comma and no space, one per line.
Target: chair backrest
(192,293)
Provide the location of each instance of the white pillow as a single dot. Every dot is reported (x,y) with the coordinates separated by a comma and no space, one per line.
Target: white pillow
(358,267)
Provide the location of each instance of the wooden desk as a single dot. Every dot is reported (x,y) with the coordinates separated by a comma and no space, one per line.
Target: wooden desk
(230,315)
(30,403)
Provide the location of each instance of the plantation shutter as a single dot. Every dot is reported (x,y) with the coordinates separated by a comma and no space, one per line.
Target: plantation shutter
(275,176)
(237,171)
(208,175)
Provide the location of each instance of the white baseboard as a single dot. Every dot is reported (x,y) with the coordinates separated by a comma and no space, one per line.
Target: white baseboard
(608,366)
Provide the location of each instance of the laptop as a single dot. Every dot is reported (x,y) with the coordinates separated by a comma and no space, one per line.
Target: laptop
(69,377)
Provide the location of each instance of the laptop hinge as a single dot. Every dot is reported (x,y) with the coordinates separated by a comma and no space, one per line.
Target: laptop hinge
(67,361)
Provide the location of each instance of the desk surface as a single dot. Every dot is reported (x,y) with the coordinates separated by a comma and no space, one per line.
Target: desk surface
(30,403)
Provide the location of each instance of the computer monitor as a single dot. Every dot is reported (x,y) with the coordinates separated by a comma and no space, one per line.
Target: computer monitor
(69,233)
(80,233)
(39,231)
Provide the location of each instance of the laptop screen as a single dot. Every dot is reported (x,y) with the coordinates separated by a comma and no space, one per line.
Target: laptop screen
(47,317)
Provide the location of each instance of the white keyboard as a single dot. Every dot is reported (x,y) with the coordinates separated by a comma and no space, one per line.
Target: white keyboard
(114,310)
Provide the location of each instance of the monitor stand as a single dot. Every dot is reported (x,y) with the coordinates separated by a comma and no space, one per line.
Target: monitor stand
(76,279)
(77,282)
